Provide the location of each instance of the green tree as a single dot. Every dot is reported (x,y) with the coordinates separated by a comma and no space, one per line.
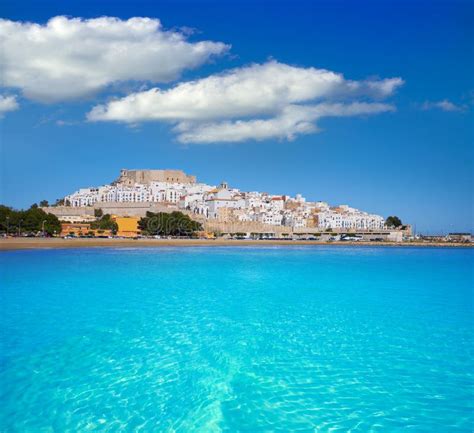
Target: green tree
(36,219)
(105,223)
(7,219)
(98,213)
(44,203)
(169,224)
(393,221)
(33,220)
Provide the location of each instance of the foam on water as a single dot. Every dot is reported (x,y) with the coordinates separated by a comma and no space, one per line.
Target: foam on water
(308,339)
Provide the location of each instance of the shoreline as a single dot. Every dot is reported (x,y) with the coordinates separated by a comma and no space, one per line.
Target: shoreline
(59,243)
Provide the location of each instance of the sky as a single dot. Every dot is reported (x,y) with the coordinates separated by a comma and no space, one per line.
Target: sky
(363,103)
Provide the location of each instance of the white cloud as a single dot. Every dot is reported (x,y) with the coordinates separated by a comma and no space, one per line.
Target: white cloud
(294,120)
(70,58)
(7,103)
(444,105)
(256,102)
(257,89)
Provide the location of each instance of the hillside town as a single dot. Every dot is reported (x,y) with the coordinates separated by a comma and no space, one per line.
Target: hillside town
(176,190)
(144,204)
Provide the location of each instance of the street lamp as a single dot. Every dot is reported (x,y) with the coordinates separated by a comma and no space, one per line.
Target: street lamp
(8,220)
(42,227)
(19,227)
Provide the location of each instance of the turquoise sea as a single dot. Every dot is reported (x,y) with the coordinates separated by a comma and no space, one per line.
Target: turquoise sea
(228,339)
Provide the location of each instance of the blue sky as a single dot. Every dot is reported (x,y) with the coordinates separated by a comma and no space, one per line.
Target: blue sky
(414,159)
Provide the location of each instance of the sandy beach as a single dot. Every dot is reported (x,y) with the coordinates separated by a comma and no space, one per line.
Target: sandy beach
(39,243)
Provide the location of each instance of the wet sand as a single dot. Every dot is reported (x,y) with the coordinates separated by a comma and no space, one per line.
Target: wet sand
(41,243)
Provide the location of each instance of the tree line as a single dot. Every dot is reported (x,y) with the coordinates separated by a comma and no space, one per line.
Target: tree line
(168,224)
(31,221)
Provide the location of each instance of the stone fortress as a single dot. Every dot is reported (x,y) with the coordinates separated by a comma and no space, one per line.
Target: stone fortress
(145,177)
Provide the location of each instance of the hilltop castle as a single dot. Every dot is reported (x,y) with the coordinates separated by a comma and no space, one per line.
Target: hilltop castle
(145,177)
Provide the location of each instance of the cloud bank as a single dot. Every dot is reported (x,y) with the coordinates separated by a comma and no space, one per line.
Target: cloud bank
(7,103)
(261,101)
(70,58)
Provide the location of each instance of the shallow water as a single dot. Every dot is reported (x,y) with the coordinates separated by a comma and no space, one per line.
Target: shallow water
(282,339)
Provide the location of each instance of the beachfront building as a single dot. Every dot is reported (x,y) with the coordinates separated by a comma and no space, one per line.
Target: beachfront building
(345,217)
(82,229)
(127,227)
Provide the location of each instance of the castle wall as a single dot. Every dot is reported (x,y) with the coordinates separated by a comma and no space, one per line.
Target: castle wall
(130,177)
(140,209)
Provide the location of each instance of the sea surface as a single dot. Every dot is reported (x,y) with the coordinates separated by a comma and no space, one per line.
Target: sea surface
(229,339)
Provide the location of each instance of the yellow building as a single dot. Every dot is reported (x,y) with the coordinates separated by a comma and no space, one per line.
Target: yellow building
(82,229)
(127,226)
(77,229)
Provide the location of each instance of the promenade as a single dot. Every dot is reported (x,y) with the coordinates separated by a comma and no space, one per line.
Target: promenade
(41,243)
